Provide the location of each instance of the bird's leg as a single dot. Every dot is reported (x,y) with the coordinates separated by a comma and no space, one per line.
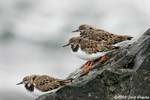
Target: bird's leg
(102,59)
(87,67)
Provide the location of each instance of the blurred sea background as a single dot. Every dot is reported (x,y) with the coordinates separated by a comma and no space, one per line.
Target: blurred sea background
(32,33)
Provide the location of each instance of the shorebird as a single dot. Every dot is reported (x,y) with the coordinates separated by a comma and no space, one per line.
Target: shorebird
(87,31)
(102,37)
(89,50)
(42,83)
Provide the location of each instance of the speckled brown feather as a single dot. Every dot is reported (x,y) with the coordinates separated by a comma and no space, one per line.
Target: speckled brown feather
(99,35)
(45,83)
(91,46)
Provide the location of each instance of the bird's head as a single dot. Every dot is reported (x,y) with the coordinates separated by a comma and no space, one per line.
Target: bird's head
(28,81)
(83,28)
(74,42)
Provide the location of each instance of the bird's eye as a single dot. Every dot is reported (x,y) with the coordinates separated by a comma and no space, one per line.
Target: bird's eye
(25,81)
(81,31)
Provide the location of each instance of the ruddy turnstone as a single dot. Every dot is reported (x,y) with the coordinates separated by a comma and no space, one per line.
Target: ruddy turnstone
(87,31)
(89,50)
(99,35)
(42,83)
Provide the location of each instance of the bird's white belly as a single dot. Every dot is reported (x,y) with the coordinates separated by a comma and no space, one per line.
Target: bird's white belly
(83,55)
(39,93)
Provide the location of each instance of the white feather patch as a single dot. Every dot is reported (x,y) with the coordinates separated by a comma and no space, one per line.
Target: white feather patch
(39,93)
(85,56)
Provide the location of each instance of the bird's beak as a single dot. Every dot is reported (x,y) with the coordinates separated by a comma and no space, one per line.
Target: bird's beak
(19,83)
(66,45)
(75,31)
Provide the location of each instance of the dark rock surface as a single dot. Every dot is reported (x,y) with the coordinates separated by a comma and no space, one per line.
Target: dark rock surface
(124,75)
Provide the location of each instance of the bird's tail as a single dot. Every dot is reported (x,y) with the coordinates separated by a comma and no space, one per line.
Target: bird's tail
(116,47)
(64,82)
(129,37)
(123,38)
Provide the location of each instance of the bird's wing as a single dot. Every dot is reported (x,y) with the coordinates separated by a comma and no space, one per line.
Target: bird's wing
(90,46)
(102,35)
(46,83)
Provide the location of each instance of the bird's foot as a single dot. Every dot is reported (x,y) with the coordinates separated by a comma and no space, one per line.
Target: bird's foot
(103,58)
(87,67)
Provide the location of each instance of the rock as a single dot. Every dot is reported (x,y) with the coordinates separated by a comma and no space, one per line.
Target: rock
(124,75)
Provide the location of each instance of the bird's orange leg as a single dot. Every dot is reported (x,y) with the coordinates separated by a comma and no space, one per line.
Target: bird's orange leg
(102,59)
(87,67)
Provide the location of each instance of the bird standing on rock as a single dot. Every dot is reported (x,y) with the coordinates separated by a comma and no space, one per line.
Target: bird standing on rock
(89,50)
(94,43)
